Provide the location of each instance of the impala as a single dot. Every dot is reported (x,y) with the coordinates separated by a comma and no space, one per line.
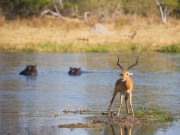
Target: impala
(124,85)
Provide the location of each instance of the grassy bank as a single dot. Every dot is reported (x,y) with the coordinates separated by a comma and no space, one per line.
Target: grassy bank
(172,49)
(72,47)
(154,114)
(50,35)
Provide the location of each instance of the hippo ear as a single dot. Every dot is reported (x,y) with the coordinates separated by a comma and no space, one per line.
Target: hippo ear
(35,65)
(70,68)
(27,65)
(79,68)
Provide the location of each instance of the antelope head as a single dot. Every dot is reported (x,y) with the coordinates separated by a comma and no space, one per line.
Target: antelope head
(125,75)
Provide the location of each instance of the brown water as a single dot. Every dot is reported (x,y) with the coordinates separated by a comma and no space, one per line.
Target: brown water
(34,105)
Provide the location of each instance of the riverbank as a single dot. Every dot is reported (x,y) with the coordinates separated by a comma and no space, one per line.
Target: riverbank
(50,35)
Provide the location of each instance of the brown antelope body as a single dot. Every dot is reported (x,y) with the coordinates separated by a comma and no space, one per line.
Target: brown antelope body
(124,85)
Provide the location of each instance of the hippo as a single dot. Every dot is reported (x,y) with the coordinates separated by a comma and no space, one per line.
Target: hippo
(30,70)
(74,71)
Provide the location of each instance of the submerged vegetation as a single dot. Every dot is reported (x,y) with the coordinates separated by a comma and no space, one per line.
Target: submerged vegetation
(80,125)
(81,111)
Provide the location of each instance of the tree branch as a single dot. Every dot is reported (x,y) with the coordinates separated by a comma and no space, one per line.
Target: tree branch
(56,14)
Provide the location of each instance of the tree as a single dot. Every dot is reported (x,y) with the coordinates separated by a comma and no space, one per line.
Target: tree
(22,8)
(167,7)
(56,13)
(163,10)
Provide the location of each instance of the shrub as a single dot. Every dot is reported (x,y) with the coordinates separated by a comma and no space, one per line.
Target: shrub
(22,8)
(173,48)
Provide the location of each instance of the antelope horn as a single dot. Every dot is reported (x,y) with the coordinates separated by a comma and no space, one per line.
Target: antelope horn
(133,64)
(119,64)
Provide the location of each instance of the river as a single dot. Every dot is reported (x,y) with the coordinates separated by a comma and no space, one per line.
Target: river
(35,105)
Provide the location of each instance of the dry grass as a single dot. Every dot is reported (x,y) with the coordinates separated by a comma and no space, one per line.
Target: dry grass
(51,35)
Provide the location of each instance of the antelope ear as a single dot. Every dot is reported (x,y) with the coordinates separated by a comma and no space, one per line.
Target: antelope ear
(131,73)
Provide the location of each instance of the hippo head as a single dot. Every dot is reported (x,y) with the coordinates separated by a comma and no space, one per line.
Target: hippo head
(30,70)
(74,71)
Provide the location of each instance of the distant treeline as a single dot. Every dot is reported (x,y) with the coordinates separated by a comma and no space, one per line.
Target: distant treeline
(76,8)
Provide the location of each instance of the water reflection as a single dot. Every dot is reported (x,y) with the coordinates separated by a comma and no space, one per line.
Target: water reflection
(127,130)
(28,104)
(140,129)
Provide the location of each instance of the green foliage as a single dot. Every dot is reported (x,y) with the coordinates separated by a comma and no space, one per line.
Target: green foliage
(89,5)
(171,49)
(173,7)
(26,8)
(22,8)
(139,7)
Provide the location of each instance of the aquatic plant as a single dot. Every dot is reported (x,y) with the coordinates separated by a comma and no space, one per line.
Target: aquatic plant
(80,125)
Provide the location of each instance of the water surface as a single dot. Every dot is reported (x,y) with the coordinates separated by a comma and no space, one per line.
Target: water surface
(34,105)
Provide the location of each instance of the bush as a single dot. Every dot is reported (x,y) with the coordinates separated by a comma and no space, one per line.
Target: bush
(26,8)
(172,49)
(22,8)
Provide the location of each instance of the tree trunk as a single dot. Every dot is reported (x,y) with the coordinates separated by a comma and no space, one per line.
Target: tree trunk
(163,11)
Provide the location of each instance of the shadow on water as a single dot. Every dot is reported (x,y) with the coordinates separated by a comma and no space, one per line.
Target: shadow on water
(35,105)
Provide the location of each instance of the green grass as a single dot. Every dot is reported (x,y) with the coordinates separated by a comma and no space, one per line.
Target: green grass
(120,47)
(99,48)
(154,114)
(28,49)
(171,49)
(87,48)
(70,47)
